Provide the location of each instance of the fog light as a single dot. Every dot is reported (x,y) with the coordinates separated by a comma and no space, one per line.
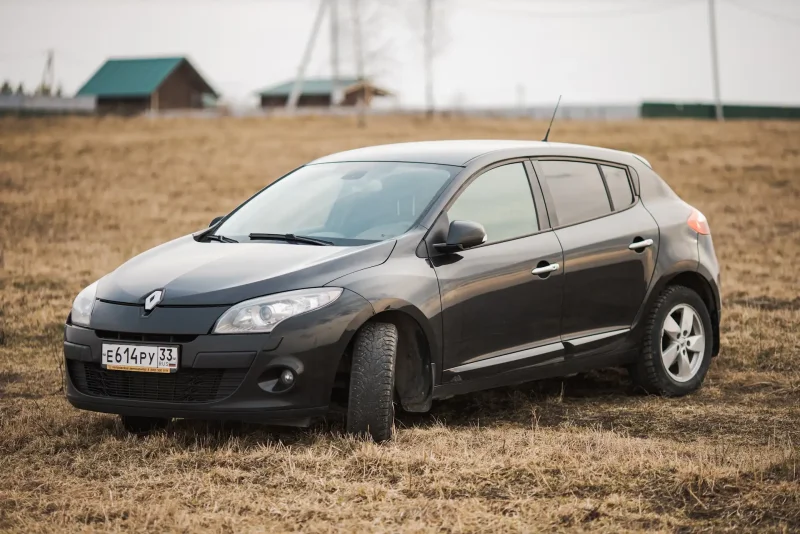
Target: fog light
(287,377)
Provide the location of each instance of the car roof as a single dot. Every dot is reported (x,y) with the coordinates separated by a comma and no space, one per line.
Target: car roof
(461,152)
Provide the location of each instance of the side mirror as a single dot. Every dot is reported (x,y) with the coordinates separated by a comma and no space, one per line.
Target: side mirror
(462,235)
(215,220)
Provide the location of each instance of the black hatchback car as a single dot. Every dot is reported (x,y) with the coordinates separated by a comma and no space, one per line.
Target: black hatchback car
(400,274)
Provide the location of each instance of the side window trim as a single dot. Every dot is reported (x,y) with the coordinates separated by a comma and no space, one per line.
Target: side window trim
(634,177)
(605,184)
(628,174)
(542,213)
(548,197)
(477,174)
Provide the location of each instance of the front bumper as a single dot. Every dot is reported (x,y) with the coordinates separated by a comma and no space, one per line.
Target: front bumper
(220,376)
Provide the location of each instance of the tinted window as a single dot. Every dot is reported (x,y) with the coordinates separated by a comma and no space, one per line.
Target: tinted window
(577,190)
(501,200)
(618,186)
(345,203)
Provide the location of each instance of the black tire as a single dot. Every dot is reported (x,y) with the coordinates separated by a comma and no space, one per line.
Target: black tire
(649,373)
(143,425)
(370,406)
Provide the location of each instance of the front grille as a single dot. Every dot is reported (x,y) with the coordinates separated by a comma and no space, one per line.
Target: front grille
(148,338)
(186,385)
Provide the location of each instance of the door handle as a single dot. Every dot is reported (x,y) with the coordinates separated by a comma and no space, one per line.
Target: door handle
(639,245)
(546,269)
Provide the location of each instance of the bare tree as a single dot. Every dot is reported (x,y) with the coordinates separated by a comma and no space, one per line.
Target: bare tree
(370,46)
(358,53)
(427,22)
(370,28)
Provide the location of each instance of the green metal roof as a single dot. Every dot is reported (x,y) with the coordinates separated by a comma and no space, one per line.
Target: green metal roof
(130,77)
(313,86)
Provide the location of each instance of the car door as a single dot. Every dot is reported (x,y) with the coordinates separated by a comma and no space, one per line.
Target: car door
(610,244)
(492,303)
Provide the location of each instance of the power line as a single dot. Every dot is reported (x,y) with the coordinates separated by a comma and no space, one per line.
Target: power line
(651,9)
(26,55)
(777,17)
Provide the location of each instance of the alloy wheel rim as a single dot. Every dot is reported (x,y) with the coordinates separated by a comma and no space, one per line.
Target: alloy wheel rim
(683,343)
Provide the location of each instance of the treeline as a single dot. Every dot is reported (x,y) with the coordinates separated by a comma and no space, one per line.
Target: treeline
(42,90)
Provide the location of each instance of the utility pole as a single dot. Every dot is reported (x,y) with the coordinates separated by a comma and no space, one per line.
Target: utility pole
(428,45)
(297,89)
(712,26)
(358,47)
(335,52)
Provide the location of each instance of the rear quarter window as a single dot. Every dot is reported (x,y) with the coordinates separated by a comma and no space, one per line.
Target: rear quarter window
(619,187)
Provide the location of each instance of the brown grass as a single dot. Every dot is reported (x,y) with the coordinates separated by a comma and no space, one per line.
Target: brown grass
(79,197)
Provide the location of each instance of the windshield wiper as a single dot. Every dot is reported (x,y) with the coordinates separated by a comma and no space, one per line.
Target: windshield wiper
(291,238)
(220,238)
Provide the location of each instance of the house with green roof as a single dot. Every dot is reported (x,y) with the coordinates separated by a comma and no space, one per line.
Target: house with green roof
(135,85)
(322,92)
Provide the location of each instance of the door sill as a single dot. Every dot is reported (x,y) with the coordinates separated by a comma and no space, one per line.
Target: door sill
(578,345)
(520,358)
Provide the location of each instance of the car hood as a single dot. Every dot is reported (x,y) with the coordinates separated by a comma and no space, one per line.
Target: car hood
(194,273)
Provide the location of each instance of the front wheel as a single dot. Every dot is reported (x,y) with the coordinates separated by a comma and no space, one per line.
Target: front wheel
(677,345)
(370,406)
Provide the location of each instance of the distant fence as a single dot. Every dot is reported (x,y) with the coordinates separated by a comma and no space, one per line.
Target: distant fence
(46,105)
(572,112)
(707,111)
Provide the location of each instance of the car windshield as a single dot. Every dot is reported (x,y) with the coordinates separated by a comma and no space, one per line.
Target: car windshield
(342,203)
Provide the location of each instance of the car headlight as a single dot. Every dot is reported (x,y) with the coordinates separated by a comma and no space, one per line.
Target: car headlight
(83,304)
(263,314)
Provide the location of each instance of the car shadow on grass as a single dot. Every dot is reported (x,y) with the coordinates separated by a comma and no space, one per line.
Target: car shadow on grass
(545,403)
(508,405)
(600,400)
(605,400)
(541,403)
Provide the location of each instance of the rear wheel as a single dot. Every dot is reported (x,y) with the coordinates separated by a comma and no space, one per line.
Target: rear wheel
(677,345)
(143,425)
(370,405)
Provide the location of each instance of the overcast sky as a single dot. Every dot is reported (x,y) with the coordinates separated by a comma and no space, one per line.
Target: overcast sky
(491,52)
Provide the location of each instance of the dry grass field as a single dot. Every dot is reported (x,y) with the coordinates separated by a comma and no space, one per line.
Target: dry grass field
(80,196)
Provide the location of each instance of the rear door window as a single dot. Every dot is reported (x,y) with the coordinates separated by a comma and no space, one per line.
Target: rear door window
(500,199)
(619,187)
(576,190)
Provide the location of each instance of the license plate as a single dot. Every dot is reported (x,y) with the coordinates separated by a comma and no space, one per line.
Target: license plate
(141,358)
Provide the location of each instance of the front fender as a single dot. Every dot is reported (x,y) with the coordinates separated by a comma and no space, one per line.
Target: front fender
(406,284)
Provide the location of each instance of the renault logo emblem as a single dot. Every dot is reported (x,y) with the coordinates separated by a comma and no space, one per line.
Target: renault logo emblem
(153,299)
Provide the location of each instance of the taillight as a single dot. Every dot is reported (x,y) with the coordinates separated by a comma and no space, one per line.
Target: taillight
(698,222)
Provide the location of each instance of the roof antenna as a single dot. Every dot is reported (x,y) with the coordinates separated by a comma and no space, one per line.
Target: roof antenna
(551,120)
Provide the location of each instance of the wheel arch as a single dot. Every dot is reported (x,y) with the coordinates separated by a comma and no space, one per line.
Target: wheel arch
(414,366)
(697,283)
